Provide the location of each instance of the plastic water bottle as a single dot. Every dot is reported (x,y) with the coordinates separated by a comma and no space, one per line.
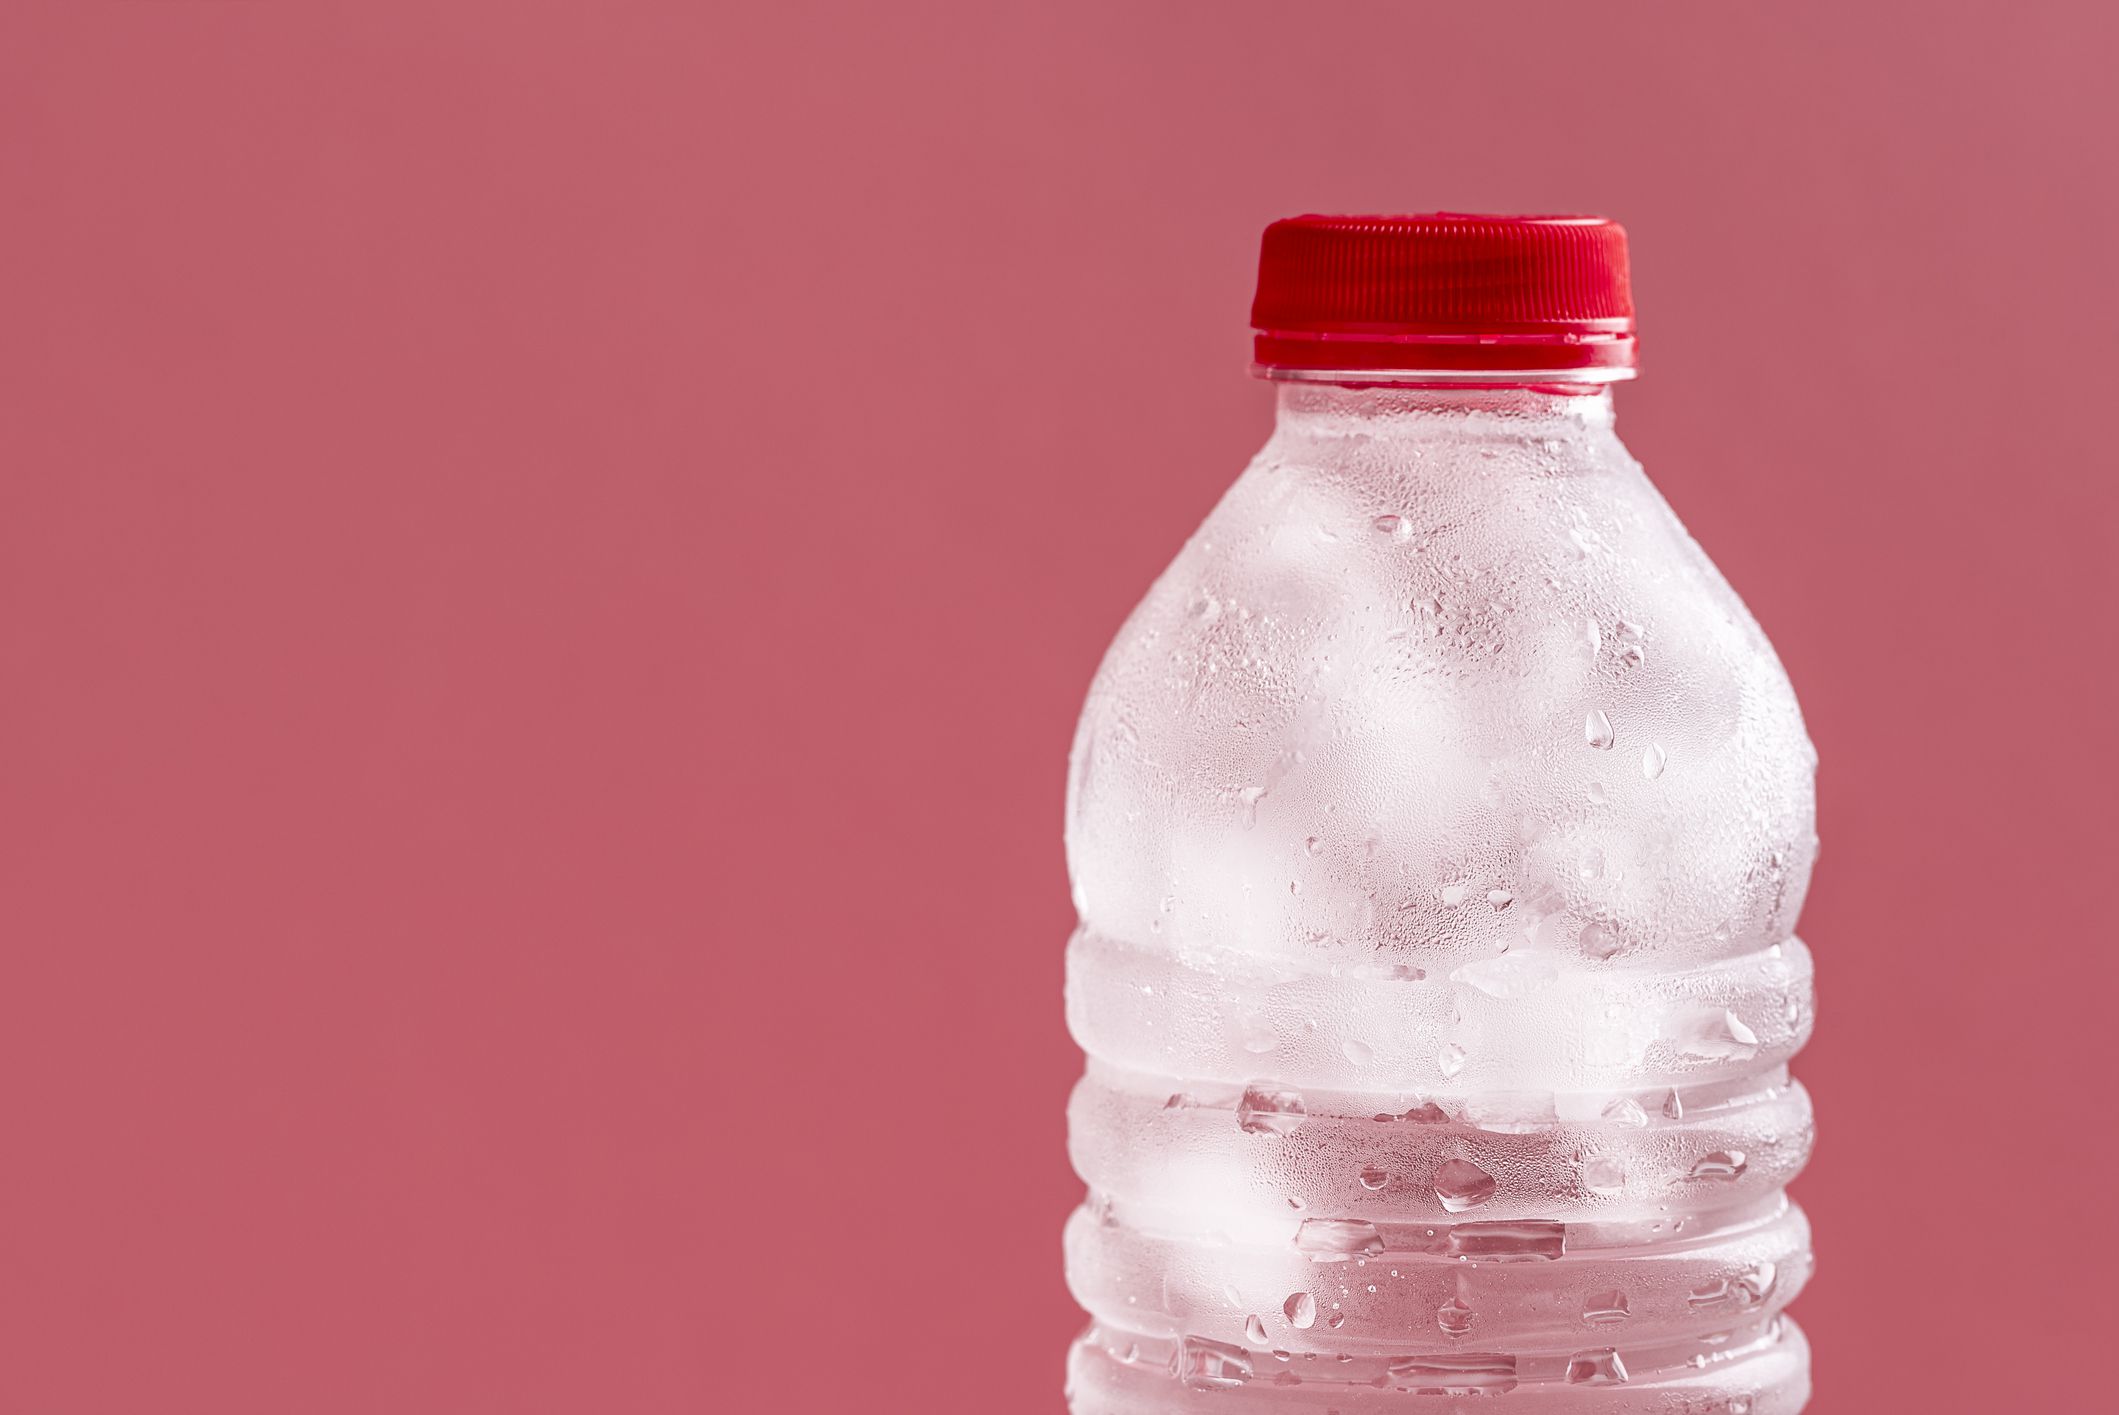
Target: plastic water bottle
(1437,825)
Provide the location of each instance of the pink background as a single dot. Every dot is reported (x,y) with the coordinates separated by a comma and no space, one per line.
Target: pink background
(549,554)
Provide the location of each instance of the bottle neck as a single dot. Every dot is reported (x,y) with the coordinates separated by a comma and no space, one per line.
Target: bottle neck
(1378,410)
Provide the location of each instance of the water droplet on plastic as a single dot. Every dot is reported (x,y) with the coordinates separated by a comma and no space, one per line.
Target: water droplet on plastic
(1450,1059)
(1427,1114)
(1500,899)
(1388,525)
(1452,893)
(1723,1036)
(1673,1106)
(1604,1308)
(1476,1373)
(1313,847)
(1180,1101)
(1454,1317)
(1268,1112)
(1626,1111)
(1652,760)
(1600,941)
(1739,1405)
(1301,1310)
(1592,639)
(1461,1185)
(1528,1239)
(1336,1320)
(1722,1165)
(1250,796)
(1633,656)
(1332,1238)
(1603,1175)
(1596,730)
(1709,1294)
(1597,794)
(1358,1052)
(1591,865)
(1258,1035)
(1211,1365)
(1373,1178)
(1600,1366)
(1254,1330)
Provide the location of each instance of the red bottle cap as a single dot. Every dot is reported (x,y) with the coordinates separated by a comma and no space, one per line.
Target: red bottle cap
(1444,293)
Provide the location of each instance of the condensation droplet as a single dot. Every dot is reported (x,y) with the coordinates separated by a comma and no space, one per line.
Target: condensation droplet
(1603,1175)
(1633,656)
(1652,760)
(1211,1365)
(1591,865)
(1461,1185)
(1250,796)
(1709,1294)
(1313,847)
(1258,1034)
(1254,1329)
(1373,1178)
(1450,1059)
(1626,1111)
(1268,1112)
(1388,525)
(1596,730)
(1452,893)
(1336,1320)
(1301,1310)
(1722,1165)
(1603,1308)
(1454,1317)
(1335,1238)
(1500,899)
(1597,794)
(1599,1366)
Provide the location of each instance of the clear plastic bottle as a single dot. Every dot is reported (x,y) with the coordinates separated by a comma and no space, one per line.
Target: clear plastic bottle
(1438,824)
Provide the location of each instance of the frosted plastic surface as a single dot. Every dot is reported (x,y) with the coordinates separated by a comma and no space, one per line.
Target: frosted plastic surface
(1438,824)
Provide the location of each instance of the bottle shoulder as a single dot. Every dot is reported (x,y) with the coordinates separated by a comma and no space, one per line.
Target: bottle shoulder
(1439,698)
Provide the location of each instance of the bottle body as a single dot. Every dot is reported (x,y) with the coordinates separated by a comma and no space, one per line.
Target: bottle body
(1438,825)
